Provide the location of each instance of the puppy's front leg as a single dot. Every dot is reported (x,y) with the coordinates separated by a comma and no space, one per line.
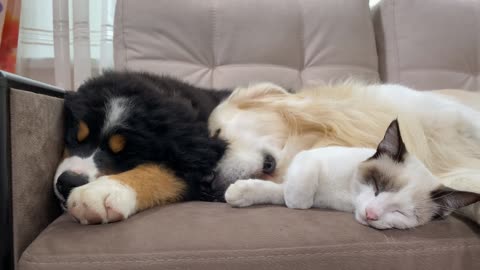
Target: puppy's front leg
(244,193)
(116,197)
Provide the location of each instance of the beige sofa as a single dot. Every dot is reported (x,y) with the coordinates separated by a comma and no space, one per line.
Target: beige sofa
(426,44)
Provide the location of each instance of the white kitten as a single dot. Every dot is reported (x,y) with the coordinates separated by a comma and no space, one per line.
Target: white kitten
(385,188)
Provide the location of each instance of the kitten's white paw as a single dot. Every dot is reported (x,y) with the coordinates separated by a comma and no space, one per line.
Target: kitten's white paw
(102,201)
(239,193)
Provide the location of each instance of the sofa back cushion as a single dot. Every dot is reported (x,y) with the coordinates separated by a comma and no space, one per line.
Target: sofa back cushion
(216,43)
(429,44)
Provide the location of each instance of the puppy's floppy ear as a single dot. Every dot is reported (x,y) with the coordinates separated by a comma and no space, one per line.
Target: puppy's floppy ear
(449,199)
(70,122)
(258,90)
(69,99)
(69,102)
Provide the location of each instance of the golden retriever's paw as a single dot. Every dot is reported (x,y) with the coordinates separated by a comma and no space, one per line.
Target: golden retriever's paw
(102,201)
(240,193)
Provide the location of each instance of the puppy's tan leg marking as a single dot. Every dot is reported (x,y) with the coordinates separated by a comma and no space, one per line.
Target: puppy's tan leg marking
(153,184)
(116,197)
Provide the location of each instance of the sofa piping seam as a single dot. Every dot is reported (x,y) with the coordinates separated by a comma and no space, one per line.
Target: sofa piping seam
(394,32)
(302,41)
(123,35)
(476,11)
(214,26)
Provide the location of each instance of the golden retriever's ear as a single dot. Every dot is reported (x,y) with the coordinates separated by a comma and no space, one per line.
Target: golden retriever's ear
(259,90)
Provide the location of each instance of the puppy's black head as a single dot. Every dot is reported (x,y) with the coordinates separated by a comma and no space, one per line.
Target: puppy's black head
(120,120)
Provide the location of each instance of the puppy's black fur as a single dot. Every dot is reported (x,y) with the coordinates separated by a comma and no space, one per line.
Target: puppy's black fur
(165,124)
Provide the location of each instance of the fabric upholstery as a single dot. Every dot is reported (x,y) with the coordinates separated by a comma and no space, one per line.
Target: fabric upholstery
(37,141)
(199,235)
(229,43)
(429,44)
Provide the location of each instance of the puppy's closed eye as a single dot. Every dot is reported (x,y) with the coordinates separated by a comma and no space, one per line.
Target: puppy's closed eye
(217,133)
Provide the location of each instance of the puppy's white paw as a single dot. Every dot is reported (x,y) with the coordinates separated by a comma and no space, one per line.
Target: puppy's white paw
(240,193)
(102,201)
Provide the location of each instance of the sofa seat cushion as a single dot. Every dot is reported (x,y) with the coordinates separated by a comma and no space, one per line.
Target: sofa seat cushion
(200,235)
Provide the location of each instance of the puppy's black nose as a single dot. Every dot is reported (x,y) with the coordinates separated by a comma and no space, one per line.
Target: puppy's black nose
(69,180)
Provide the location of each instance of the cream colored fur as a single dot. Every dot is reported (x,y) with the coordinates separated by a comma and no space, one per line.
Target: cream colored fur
(443,133)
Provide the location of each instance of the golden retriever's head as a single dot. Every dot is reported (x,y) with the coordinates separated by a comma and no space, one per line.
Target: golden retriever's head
(265,126)
(256,134)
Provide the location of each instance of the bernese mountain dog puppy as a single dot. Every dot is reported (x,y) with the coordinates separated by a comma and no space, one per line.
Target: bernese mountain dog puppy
(133,141)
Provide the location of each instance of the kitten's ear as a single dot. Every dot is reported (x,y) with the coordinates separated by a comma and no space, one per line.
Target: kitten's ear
(450,199)
(392,143)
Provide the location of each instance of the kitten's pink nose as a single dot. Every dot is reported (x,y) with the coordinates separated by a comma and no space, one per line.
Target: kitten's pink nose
(371,215)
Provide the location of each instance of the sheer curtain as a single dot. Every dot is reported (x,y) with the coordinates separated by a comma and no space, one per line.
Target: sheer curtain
(63,42)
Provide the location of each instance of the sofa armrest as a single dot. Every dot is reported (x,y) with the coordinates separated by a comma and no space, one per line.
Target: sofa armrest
(31,142)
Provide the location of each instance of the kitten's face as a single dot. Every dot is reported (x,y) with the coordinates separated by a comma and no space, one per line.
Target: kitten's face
(391,194)
(393,189)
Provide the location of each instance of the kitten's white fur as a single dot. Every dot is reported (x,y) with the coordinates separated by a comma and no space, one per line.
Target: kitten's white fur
(328,178)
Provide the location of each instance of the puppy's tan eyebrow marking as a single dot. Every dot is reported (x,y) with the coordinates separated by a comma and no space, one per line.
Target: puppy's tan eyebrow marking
(117,143)
(83,131)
